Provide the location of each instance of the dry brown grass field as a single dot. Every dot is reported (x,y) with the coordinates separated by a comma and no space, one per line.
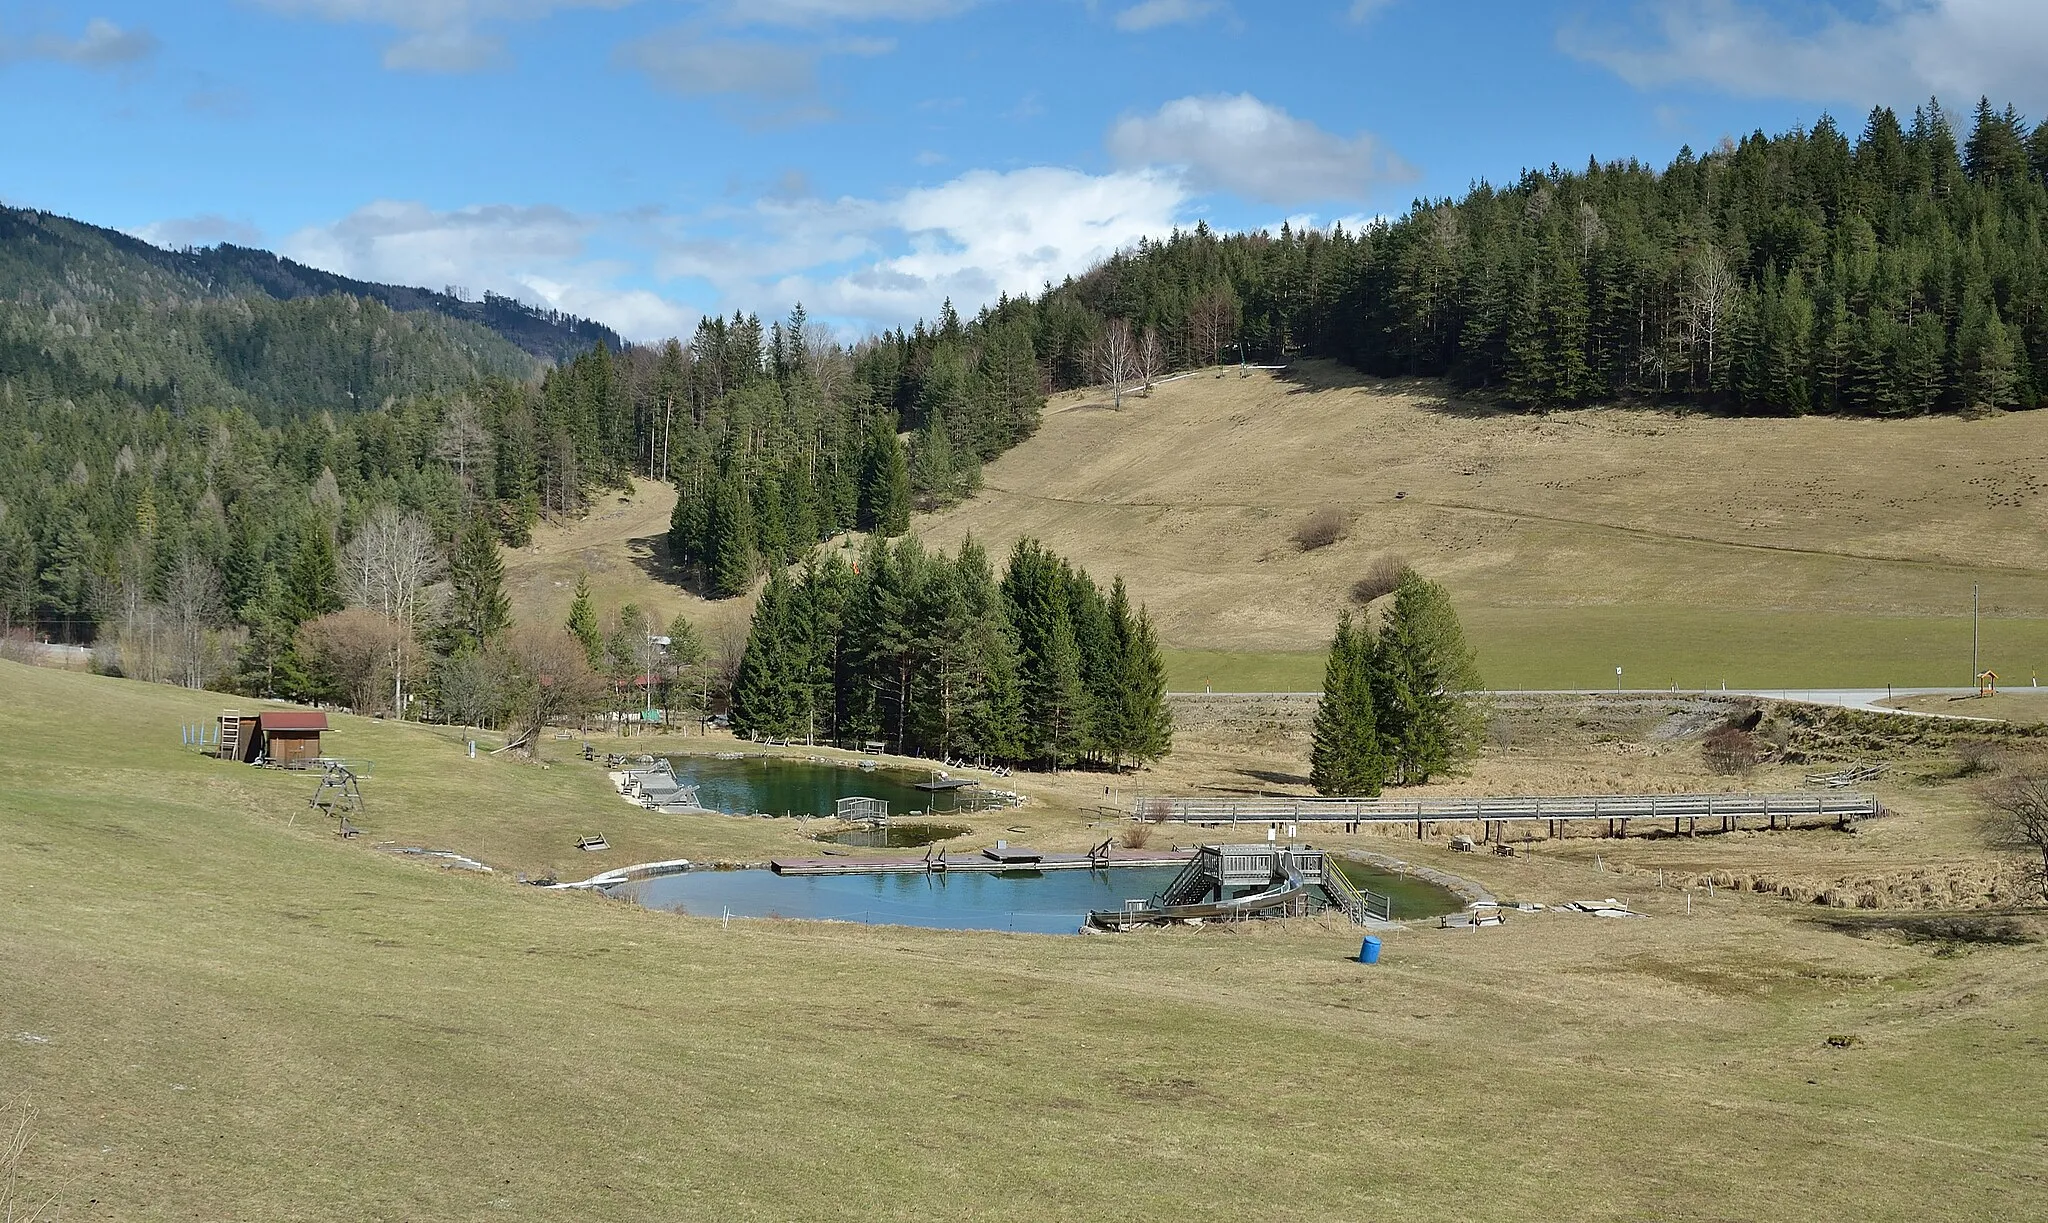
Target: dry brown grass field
(1691,548)
(219,1010)
(621,544)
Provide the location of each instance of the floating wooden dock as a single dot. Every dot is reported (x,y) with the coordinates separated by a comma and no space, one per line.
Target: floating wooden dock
(984,861)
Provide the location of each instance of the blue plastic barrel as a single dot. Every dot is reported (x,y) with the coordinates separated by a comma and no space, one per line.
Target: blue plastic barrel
(1369,951)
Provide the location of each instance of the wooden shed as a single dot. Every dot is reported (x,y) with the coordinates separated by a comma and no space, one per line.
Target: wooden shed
(240,738)
(291,736)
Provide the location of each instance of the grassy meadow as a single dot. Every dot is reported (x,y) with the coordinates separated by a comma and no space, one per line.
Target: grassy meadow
(1687,549)
(1658,647)
(219,1010)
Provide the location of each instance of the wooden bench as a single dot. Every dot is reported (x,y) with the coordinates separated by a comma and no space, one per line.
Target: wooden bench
(593,843)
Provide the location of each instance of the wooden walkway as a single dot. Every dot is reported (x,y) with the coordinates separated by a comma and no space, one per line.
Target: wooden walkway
(1723,812)
(978,862)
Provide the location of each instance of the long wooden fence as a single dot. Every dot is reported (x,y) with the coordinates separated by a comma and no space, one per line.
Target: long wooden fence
(1616,810)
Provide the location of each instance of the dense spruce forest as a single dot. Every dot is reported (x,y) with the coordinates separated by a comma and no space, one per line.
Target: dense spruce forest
(1904,272)
(210,451)
(935,656)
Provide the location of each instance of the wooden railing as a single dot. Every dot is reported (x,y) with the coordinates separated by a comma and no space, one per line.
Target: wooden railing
(1267,810)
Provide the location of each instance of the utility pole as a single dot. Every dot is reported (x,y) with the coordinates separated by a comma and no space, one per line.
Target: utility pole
(1975,610)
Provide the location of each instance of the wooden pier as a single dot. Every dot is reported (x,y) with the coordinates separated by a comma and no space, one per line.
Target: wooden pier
(987,860)
(1686,812)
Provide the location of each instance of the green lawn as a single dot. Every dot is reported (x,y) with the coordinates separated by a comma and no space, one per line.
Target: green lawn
(220,1011)
(1543,647)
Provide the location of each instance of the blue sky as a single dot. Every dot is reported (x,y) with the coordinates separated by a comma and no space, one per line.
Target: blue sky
(642,161)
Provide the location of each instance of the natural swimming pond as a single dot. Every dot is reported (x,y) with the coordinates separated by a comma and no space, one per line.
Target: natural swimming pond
(898,835)
(778,785)
(1054,902)
(1049,902)
(1412,896)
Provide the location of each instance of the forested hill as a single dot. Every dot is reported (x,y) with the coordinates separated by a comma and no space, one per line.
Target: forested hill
(1903,271)
(55,260)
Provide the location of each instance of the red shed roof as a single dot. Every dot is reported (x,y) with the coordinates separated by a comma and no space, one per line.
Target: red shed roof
(292,719)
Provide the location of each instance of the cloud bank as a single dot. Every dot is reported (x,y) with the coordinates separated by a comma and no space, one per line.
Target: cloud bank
(1237,143)
(1902,51)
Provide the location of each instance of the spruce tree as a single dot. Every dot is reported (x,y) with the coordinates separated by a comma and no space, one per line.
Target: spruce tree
(312,586)
(478,609)
(884,482)
(1147,718)
(730,558)
(761,690)
(583,623)
(1347,756)
(1422,675)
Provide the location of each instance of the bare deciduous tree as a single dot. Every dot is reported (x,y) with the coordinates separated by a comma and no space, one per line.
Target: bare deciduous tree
(1712,291)
(387,567)
(1382,576)
(1214,322)
(547,676)
(1116,358)
(2019,805)
(1151,358)
(463,439)
(356,647)
(192,602)
(1321,528)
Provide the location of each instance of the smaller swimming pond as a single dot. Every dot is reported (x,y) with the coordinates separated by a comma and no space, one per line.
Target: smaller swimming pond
(1412,895)
(898,835)
(1054,902)
(779,785)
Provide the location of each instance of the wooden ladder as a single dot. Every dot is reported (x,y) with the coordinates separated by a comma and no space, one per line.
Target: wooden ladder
(230,747)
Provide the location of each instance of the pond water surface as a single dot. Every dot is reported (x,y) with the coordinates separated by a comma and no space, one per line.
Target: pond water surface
(898,835)
(1412,896)
(778,785)
(1054,902)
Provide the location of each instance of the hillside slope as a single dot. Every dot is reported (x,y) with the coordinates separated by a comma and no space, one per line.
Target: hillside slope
(1687,549)
(52,260)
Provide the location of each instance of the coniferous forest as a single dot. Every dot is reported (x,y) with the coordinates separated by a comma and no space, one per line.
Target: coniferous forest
(936,656)
(204,446)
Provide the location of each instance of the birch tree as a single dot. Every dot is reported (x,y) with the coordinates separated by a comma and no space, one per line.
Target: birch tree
(387,568)
(1116,359)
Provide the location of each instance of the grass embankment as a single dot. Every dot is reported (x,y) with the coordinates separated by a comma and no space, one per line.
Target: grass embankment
(1685,549)
(223,1013)
(1656,647)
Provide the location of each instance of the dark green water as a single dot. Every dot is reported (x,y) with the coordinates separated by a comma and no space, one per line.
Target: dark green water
(1412,897)
(896,835)
(778,785)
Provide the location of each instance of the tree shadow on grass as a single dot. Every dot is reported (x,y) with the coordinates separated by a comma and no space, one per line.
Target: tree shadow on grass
(1271,777)
(1432,395)
(650,554)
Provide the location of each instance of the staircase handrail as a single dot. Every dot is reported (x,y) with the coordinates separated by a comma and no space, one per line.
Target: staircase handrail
(1357,902)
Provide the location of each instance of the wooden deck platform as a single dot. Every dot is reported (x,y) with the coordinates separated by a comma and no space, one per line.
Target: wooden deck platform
(978,862)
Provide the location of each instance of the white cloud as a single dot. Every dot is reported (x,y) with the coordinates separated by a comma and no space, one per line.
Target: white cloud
(858,263)
(455,35)
(543,255)
(1237,143)
(204,230)
(679,61)
(1363,11)
(1151,14)
(102,45)
(436,35)
(1904,50)
(838,12)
